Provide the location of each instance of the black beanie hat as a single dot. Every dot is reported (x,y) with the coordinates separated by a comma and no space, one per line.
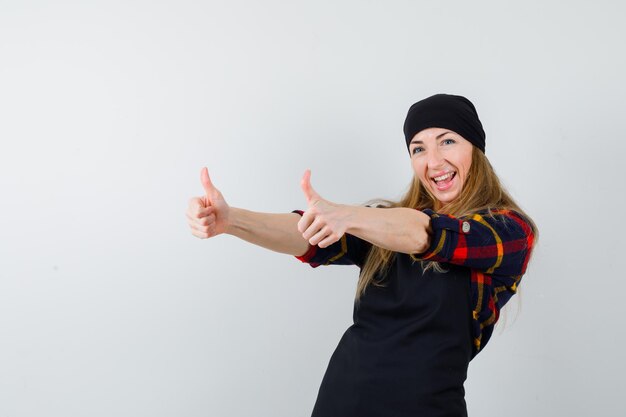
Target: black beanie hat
(446,111)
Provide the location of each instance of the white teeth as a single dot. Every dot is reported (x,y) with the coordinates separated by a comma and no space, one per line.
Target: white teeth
(443,177)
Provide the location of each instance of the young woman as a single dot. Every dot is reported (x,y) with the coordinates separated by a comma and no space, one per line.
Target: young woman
(436,267)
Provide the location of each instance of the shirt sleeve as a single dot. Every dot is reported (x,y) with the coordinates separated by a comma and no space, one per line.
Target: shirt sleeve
(499,244)
(349,250)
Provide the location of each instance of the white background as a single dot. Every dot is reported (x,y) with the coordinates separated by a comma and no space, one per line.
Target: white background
(109,110)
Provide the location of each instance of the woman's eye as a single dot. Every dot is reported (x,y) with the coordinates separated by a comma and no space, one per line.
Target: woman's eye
(449,141)
(417,149)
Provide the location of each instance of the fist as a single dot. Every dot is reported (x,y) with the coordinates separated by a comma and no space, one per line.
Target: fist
(324,222)
(207,215)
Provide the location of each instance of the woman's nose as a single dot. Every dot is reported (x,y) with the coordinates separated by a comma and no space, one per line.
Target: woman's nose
(435,159)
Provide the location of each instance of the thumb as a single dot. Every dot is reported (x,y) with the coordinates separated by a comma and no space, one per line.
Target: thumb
(307,188)
(209,188)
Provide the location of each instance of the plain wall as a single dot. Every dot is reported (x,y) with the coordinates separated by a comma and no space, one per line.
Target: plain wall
(108,111)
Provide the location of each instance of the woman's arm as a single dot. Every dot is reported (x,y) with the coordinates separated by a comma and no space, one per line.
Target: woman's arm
(495,245)
(398,229)
(274,231)
(210,215)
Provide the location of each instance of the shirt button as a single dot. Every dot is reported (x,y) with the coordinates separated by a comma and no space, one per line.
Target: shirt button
(466,227)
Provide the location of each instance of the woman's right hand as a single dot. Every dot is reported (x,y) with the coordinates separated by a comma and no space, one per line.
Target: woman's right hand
(208,215)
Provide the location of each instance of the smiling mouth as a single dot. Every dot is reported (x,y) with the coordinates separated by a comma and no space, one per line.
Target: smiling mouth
(444,178)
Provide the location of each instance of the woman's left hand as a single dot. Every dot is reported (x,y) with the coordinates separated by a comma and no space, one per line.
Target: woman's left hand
(324,222)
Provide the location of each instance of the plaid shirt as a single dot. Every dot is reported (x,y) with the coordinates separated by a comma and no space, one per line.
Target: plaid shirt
(496,250)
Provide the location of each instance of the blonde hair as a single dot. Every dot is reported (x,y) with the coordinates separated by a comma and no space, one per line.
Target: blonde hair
(482,190)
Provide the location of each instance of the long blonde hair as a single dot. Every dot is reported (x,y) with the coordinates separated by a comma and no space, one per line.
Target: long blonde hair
(482,190)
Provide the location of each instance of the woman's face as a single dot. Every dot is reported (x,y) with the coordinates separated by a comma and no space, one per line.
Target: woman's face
(441,160)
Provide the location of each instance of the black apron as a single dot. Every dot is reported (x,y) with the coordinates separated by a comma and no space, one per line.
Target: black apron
(407,353)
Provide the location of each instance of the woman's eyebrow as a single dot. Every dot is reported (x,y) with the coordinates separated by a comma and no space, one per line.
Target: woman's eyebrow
(438,137)
(444,133)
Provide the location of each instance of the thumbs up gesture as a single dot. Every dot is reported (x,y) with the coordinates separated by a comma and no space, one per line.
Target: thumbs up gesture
(208,215)
(323,223)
